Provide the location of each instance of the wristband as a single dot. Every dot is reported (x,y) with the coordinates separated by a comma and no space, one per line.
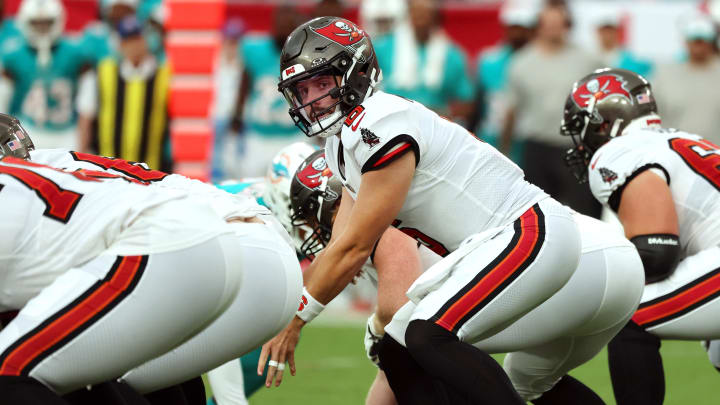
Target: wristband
(309,307)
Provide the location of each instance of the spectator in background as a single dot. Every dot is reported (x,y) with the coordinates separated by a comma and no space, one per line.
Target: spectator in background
(127,115)
(491,77)
(538,82)
(261,109)
(381,17)
(612,53)
(227,82)
(41,68)
(686,91)
(421,63)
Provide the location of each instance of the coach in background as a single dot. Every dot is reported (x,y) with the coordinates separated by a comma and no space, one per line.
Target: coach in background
(537,83)
(685,91)
(127,114)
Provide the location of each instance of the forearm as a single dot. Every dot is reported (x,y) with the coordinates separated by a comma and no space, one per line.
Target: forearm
(331,272)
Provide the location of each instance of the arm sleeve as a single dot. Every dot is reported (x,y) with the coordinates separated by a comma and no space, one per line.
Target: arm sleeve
(386,140)
(614,166)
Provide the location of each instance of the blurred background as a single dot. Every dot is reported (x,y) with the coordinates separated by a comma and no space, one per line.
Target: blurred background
(190,86)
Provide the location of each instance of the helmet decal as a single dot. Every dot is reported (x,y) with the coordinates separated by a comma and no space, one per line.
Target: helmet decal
(311,176)
(342,32)
(601,87)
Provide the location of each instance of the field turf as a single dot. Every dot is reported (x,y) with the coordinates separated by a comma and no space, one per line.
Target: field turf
(332,369)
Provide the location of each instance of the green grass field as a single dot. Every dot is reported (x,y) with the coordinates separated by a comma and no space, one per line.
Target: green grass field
(332,369)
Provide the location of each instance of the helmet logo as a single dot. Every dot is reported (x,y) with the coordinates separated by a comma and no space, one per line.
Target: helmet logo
(292,71)
(599,88)
(311,176)
(342,32)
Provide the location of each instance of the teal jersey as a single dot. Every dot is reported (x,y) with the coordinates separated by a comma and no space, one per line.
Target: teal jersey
(265,111)
(626,60)
(44,96)
(491,77)
(252,187)
(454,86)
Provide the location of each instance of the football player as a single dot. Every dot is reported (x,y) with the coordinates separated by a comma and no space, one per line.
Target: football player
(95,260)
(663,184)
(599,298)
(42,68)
(508,246)
(233,382)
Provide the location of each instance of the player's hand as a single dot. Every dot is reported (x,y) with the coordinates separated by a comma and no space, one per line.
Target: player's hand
(280,349)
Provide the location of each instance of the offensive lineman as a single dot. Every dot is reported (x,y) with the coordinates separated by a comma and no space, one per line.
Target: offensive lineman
(449,189)
(101,266)
(663,184)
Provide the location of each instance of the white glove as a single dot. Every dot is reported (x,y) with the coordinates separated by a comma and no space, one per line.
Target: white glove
(372,338)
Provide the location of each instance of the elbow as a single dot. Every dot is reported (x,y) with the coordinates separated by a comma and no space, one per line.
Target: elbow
(660,254)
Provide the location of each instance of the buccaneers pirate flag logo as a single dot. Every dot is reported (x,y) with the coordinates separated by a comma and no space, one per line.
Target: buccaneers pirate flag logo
(341,31)
(601,87)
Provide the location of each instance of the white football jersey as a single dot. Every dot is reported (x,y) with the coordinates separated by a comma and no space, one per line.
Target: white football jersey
(461,186)
(687,162)
(53,220)
(225,204)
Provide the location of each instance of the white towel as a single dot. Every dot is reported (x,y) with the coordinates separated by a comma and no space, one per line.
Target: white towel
(407,72)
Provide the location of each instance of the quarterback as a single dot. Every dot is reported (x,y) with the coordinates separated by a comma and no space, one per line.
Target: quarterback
(590,309)
(101,265)
(663,184)
(507,246)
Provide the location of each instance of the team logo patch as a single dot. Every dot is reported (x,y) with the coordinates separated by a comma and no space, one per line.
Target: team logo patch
(341,31)
(369,137)
(311,176)
(601,87)
(607,175)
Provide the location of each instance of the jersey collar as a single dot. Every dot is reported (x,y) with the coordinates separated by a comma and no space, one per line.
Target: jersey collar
(646,121)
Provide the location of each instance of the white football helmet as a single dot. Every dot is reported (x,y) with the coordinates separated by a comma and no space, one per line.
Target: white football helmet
(278,179)
(31,20)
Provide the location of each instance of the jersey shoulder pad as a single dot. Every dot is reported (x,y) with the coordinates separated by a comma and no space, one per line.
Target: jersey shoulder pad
(619,161)
(380,129)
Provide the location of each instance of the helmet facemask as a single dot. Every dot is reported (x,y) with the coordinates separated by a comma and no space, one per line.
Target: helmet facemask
(330,115)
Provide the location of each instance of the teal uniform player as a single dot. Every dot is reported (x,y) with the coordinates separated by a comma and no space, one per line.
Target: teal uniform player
(265,111)
(43,95)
